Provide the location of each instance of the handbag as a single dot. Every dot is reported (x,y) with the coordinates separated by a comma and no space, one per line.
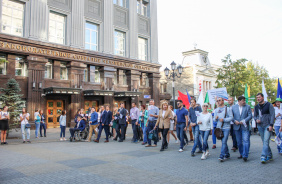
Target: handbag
(27,125)
(153,135)
(218,131)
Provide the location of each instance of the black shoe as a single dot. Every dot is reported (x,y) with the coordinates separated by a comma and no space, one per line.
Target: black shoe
(41,136)
(199,151)
(115,139)
(162,149)
(71,138)
(140,139)
(5,143)
(120,141)
(165,147)
(192,154)
(240,157)
(2,143)
(23,141)
(28,141)
(245,159)
(44,135)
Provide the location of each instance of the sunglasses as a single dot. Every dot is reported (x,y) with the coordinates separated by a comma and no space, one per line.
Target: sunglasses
(219,100)
(205,106)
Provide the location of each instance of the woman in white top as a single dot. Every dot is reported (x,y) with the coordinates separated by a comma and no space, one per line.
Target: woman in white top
(205,123)
(171,128)
(63,123)
(278,119)
(24,117)
(4,124)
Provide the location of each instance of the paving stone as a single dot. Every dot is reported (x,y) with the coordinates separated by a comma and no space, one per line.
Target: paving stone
(83,162)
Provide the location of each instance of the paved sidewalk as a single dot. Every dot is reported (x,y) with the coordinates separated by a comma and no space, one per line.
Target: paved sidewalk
(48,160)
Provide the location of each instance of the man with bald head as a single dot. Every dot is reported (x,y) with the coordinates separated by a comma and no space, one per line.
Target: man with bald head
(232,132)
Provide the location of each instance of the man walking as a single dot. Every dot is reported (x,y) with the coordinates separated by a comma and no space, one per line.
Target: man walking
(134,115)
(232,132)
(93,123)
(242,115)
(182,123)
(153,113)
(223,116)
(195,111)
(264,117)
(121,123)
(101,123)
(107,124)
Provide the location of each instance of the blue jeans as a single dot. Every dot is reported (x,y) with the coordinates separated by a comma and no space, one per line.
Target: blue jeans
(63,131)
(37,126)
(197,141)
(23,129)
(234,139)
(144,129)
(180,130)
(224,148)
(205,136)
(276,128)
(213,136)
(42,126)
(243,141)
(151,126)
(265,137)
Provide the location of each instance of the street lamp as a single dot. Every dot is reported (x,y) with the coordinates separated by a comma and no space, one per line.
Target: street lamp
(172,75)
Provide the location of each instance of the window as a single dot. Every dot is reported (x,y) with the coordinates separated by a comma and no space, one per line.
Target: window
(21,67)
(12,17)
(119,43)
(91,36)
(142,49)
(63,71)
(56,28)
(85,75)
(142,7)
(120,3)
(3,65)
(94,74)
(49,70)
(124,78)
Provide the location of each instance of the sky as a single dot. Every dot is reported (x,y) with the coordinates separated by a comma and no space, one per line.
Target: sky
(250,29)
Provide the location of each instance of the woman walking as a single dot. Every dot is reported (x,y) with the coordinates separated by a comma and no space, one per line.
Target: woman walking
(42,123)
(143,119)
(205,123)
(24,117)
(171,128)
(115,119)
(163,123)
(63,123)
(4,124)
(37,122)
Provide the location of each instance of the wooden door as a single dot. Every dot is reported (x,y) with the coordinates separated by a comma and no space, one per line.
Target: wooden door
(88,104)
(54,110)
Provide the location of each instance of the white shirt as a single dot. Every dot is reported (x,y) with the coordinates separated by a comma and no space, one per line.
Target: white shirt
(277,121)
(4,114)
(164,113)
(207,122)
(24,121)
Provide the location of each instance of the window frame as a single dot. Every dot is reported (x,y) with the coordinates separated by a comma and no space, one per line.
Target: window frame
(116,37)
(4,56)
(118,3)
(141,7)
(97,34)
(24,67)
(49,63)
(64,27)
(140,56)
(63,65)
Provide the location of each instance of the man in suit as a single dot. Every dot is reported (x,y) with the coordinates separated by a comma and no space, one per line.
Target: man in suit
(80,126)
(107,123)
(242,115)
(93,123)
(101,123)
(121,123)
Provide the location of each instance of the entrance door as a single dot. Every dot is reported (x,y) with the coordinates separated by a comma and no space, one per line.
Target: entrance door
(88,104)
(54,110)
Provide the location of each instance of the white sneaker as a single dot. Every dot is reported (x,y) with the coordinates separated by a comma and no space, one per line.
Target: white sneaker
(207,154)
(180,150)
(64,139)
(61,139)
(176,142)
(203,156)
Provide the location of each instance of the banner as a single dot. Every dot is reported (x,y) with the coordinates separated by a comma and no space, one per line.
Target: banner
(219,92)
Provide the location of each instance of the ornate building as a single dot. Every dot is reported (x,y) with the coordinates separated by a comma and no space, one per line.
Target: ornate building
(70,54)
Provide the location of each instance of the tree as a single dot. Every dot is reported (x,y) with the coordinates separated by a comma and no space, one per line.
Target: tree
(232,75)
(11,97)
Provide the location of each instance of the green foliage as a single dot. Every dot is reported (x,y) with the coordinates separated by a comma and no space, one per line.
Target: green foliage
(234,75)
(3,61)
(11,97)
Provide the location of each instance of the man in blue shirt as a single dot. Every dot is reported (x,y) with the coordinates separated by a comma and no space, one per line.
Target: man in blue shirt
(153,113)
(182,123)
(93,123)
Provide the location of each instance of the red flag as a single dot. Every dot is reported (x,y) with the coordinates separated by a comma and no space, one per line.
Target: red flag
(184,99)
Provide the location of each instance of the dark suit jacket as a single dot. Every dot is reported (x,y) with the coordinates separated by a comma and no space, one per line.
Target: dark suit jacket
(81,125)
(122,121)
(109,117)
(246,115)
(103,117)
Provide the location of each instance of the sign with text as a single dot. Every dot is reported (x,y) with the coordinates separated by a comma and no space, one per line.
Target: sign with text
(219,92)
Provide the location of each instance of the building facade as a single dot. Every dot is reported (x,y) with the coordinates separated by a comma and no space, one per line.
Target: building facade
(70,54)
(199,74)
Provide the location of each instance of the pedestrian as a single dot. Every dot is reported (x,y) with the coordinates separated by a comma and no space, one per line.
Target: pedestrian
(194,112)
(214,127)
(25,129)
(107,124)
(171,127)
(232,131)
(181,123)
(163,122)
(80,126)
(264,117)
(101,124)
(223,116)
(242,116)
(278,119)
(205,122)
(115,119)
(76,115)
(4,124)
(63,123)
(143,120)
(42,123)
(121,123)
(134,116)
(153,113)
(93,123)
(37,122)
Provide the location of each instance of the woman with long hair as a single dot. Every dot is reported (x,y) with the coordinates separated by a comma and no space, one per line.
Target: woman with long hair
(24,117)
(4,124)
(115,119)
(63,123)
(143,119)
(42,123)
(171,128)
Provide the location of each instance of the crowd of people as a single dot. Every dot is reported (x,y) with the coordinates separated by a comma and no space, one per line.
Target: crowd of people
(236,120)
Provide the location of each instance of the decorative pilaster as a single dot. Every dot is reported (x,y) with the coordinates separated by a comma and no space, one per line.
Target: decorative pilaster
(133,27)
(154,83)
(77,24)
(108,37)
(154,32)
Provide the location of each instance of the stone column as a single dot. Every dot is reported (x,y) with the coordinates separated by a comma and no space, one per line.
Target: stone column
(154,32)
(154,83)
(38,20)
(77,24)
(107,76)
(133,27)
(108,36)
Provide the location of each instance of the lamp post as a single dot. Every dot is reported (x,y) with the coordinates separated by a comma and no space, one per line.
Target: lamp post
(172,75)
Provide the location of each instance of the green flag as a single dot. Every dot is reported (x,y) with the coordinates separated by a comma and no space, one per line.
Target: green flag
(207,100)
(246,94)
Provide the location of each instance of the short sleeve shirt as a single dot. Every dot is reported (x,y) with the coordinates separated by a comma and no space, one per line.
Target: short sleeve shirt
(181,113)
(24,121)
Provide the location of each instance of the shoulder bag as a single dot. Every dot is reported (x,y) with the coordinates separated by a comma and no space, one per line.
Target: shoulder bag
(218,131)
